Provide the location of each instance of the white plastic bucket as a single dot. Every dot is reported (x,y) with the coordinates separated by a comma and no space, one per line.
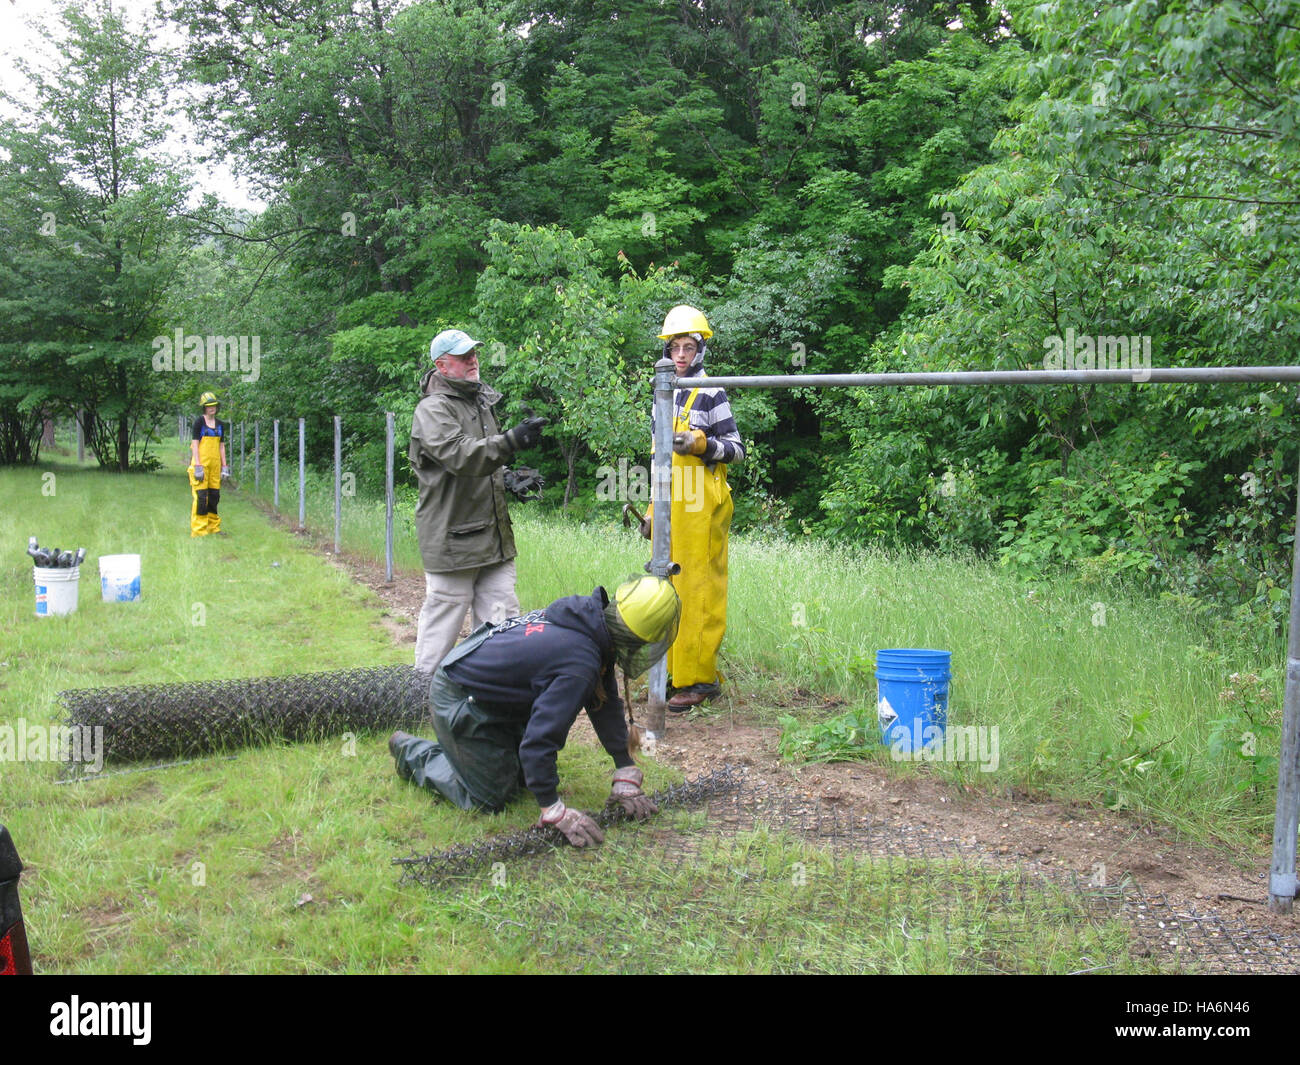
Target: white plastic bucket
(56,590)
(119,578)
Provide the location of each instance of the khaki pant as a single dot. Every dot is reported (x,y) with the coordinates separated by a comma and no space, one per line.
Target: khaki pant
(488,591)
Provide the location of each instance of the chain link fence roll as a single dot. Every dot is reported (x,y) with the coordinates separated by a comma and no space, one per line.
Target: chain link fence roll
(160,721)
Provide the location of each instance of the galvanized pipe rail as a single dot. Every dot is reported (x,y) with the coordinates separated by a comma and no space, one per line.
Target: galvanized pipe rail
(1286,818)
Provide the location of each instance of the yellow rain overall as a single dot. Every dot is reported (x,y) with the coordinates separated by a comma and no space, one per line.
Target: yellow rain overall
(207,492)
(701,521)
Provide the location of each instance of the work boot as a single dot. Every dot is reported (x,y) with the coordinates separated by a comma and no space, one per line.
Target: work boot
(692,696)
(396,740)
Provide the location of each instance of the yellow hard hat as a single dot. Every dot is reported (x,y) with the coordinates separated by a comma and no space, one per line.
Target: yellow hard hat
(648,606)
(208,399)
(642,622)
(684,319)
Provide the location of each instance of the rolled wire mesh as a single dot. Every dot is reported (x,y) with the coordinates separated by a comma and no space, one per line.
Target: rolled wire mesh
(156,721)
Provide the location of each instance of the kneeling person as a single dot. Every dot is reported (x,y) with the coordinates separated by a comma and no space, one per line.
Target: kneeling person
(504,700)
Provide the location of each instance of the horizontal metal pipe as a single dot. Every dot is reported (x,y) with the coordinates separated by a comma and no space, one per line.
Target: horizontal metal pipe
(1001,377)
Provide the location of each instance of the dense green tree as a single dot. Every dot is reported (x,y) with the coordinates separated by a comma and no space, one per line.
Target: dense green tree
(94,217)
(1141,194)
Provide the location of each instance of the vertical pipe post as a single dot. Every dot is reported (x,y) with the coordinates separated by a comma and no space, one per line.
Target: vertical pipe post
(257,457)
(302,473)
(81,436)
(241,450)
(1286,812)
(661,565)
(388,500)
(338,484)
(275,461)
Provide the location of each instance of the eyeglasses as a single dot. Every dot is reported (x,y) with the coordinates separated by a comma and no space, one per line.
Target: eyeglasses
(686,346)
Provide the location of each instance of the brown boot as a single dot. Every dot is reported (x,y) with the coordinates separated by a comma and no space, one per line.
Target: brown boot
(692,696)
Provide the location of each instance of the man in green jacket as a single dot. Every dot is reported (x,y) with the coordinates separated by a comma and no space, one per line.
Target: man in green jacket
(466,542)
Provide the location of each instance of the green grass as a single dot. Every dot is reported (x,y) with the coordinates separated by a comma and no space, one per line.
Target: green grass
(1118,714)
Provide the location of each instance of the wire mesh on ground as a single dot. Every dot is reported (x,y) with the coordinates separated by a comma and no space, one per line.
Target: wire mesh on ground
(176,720)
(737,876)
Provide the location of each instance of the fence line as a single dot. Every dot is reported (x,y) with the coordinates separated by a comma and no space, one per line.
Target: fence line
(389,478)
(1286,818)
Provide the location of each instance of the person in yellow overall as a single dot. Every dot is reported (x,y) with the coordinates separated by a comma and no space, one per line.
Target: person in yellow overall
(705,442)
(207,466)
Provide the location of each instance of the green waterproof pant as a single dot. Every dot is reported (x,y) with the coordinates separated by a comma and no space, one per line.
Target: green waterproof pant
(475,762)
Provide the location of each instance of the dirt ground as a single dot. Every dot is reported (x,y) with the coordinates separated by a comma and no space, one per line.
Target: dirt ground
(1014,829)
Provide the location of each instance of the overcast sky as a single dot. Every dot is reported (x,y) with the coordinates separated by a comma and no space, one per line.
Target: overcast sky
(19,38)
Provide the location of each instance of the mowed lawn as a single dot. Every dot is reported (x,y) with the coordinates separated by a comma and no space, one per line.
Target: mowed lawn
(269,859)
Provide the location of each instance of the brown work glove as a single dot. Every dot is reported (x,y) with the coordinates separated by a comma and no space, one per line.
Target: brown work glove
(578,828)
(690,442)
(628,794)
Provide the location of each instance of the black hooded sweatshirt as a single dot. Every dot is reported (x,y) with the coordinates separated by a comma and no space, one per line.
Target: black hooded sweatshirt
(543,672)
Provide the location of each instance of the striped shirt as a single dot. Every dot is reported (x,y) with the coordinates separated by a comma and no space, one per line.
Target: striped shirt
(711,413)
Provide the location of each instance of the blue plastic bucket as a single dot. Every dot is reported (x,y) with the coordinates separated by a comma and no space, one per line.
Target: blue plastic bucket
(912,696)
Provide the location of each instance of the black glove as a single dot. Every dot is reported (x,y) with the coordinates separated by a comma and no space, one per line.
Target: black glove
(526,434)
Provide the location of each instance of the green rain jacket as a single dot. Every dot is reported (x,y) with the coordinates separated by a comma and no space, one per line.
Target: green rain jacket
(457,452)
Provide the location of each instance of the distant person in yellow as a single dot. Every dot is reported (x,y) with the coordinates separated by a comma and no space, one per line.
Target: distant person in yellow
(207,466)
(705,441)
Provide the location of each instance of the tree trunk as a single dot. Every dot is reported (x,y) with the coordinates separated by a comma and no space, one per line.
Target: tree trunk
(570,454)
(123,444)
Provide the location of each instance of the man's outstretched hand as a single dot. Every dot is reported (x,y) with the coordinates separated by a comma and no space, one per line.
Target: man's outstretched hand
(526,434)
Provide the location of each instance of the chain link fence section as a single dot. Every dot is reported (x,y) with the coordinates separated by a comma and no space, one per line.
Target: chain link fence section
(165,721)
(462,862)
(734,876)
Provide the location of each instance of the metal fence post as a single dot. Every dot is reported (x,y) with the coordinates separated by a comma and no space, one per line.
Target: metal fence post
(81,436)
(661,564)
(302,473)
(338,484)
(388,498)
(1286,813)
(275,461)
(257,457)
